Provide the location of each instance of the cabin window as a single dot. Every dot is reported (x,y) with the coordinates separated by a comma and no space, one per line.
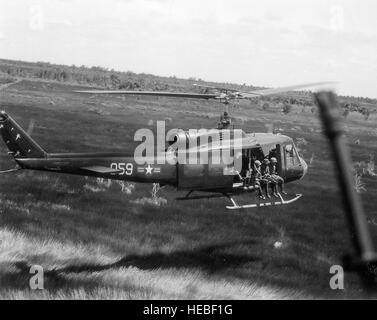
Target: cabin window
(291,156)
(272,153)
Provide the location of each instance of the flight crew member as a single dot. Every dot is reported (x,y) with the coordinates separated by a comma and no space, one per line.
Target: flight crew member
(260,181)
(267,176)
(274,174)
(249,175)
(247,179)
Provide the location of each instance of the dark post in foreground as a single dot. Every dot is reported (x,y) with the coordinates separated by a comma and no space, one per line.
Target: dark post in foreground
(365,258)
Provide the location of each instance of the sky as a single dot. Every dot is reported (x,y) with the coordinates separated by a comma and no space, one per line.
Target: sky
(268,43)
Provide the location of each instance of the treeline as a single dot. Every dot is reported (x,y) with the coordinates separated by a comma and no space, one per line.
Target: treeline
(94,76)
(111,79)
(101,77)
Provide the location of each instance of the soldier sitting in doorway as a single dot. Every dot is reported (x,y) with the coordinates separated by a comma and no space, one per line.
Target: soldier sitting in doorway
(259,181)
(274,174)
(271,182)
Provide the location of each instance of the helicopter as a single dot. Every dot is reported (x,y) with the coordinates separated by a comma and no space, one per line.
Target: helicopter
(212,179)
(221,94)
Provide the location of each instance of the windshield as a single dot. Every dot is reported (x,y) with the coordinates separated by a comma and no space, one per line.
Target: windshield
(291,156)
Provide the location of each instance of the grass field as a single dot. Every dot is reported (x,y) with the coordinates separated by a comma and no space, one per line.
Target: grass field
(95,241)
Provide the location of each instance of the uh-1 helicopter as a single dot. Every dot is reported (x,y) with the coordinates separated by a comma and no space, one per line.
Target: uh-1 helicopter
(209,178)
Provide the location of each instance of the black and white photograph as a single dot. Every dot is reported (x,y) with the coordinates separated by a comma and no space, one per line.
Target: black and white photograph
(187,155)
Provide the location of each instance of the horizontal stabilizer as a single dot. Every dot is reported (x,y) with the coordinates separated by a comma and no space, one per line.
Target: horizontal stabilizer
(101,169)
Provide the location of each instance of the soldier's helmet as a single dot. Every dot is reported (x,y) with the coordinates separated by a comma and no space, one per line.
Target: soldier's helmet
(266,161)
(273,160)
(225,114)
(257,163)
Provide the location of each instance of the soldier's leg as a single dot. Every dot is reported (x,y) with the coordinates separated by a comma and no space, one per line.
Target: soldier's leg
(280,181)
(266,184)
(260,191)
(245,183)
(274,187)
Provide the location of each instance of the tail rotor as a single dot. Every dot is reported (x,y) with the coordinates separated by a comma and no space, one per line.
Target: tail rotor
(19,142)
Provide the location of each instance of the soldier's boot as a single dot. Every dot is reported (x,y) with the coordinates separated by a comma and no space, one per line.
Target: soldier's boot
(274,190)
(261,196)
(282,189)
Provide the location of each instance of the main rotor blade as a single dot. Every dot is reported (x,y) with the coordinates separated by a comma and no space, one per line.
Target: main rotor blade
(222,96)
(215,88)
(153,93)
(268,92)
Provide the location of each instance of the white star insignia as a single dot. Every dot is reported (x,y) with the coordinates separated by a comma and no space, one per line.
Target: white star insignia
(148,170)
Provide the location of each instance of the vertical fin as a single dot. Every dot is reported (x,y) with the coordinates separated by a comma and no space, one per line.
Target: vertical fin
(19,143)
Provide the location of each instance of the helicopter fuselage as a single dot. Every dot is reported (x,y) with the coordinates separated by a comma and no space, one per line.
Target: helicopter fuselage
(200,177)
(208,177)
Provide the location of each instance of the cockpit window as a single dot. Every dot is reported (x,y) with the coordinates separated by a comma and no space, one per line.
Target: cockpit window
(291,156)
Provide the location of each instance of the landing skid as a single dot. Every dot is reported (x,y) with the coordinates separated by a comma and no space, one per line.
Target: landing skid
(272,203)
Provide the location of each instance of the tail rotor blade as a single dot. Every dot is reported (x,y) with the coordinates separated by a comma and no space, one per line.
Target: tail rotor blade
(30,128)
